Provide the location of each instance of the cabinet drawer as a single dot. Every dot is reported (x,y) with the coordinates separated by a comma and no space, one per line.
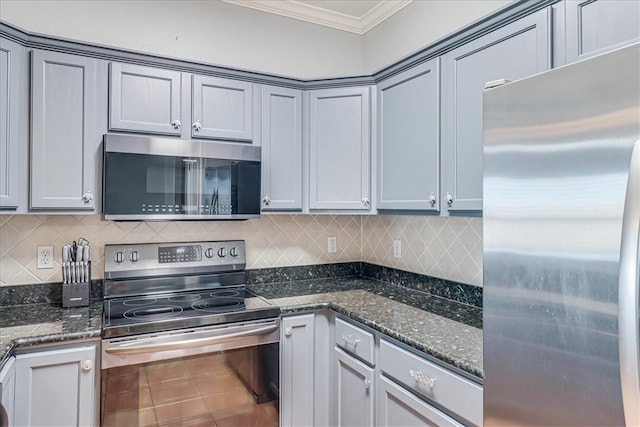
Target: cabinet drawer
(449,390)
(354,340)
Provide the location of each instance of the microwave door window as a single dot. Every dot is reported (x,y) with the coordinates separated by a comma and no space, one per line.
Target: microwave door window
(217,187)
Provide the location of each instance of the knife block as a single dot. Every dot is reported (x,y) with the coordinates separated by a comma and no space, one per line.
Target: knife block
(76,294)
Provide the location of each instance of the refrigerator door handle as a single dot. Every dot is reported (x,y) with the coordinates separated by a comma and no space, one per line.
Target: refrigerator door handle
(628,295)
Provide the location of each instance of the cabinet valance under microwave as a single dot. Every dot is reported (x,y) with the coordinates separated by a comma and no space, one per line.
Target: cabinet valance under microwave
(148,178)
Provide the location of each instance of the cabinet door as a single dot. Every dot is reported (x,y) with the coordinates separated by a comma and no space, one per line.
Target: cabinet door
(398,408)
(11,143)
(7,385)
(354,391)
(144,99)
(296,371)
(67,115)
(593,27)
(512,52)
(409,140)
(281,148)
(222,109)
(339,121)
(56,387)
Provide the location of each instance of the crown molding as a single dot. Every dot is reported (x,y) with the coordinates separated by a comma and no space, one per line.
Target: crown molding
(317,15)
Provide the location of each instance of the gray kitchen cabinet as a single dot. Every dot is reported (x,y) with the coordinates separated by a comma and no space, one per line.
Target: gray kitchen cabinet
(594,27)
(57,387)
(222,108)
(281,148)
(7,389)
(145,99)
(68,120)
(396,407)
(409,139)
(12,146)
(512,52)
(339,149)
(297,370)
(354,391)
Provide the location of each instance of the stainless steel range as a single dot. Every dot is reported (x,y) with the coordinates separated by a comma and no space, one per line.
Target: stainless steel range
(179,315)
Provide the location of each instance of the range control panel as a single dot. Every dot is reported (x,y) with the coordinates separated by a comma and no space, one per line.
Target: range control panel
(154,259)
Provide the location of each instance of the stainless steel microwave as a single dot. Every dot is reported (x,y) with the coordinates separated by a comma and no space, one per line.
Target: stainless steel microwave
(160,179)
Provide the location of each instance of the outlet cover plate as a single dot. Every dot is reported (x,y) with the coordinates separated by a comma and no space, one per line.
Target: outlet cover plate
(397,248)
(332,245)
(45,257)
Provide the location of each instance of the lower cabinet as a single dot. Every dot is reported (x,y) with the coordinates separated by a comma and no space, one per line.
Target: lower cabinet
(354,391)
(7,390)
(57,387)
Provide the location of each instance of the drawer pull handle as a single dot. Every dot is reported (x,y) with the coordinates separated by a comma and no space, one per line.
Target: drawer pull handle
(420,378)
(349,339)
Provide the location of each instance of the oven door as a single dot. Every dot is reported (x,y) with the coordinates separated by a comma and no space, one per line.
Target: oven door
(222,375)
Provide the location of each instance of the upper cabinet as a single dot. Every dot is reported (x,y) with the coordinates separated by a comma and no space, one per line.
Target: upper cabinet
(595,26)
(512,52)
(68,120)
(281,148)
(12,61)
(167,102)
(409,140)
(144,99)
(339,149)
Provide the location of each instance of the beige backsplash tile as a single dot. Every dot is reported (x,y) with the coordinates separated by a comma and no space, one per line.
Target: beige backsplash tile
(449,248)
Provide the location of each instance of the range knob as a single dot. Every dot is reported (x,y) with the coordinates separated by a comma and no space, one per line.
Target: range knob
(234,252)
(209,253)
(222,252)
(118,257)
(134,256)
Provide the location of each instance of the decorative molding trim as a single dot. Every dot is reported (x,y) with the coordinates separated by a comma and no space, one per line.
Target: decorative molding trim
(329,18)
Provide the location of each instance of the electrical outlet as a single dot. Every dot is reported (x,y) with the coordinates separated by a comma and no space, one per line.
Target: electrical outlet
(332,245)
(45,257)
(397,248)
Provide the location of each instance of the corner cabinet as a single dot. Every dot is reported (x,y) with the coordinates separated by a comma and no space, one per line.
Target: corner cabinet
(409,139)
(512,52)
(12,63)
(596,26)
(57,387)
(68,120)
(339,149)
(281,148)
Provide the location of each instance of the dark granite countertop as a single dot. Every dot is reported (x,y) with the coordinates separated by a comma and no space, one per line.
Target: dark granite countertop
(31,324)
(442,328)
(447,330)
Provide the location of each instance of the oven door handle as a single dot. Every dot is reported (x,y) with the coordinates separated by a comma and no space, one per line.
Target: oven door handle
(136,347)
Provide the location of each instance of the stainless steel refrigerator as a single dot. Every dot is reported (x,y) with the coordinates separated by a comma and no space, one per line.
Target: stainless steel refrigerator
(561,220)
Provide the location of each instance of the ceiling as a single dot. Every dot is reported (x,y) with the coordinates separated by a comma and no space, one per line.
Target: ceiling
(355,16)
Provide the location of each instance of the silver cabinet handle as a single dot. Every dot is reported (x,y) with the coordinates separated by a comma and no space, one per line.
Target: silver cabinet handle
(288,331)
(87,197)
(432,199)
(176,124)
(420,378)
(351,340)
(266,200)
(87,365)
(365,201)
(197,126)
(449,199)
(367,384)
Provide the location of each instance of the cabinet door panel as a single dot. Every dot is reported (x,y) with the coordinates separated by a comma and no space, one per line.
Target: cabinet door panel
(65,135)
(339,149)
(514,51)
(223,108)
(354,391)
(10,135)
(296,370)
(8,387)
(409,139)
(144,99)
(281,148)
(594,27)
(53,389)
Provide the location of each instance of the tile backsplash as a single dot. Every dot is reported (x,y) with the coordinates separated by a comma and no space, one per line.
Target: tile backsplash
(448,248)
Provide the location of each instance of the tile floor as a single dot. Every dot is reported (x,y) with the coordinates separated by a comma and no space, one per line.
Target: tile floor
(195,391)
